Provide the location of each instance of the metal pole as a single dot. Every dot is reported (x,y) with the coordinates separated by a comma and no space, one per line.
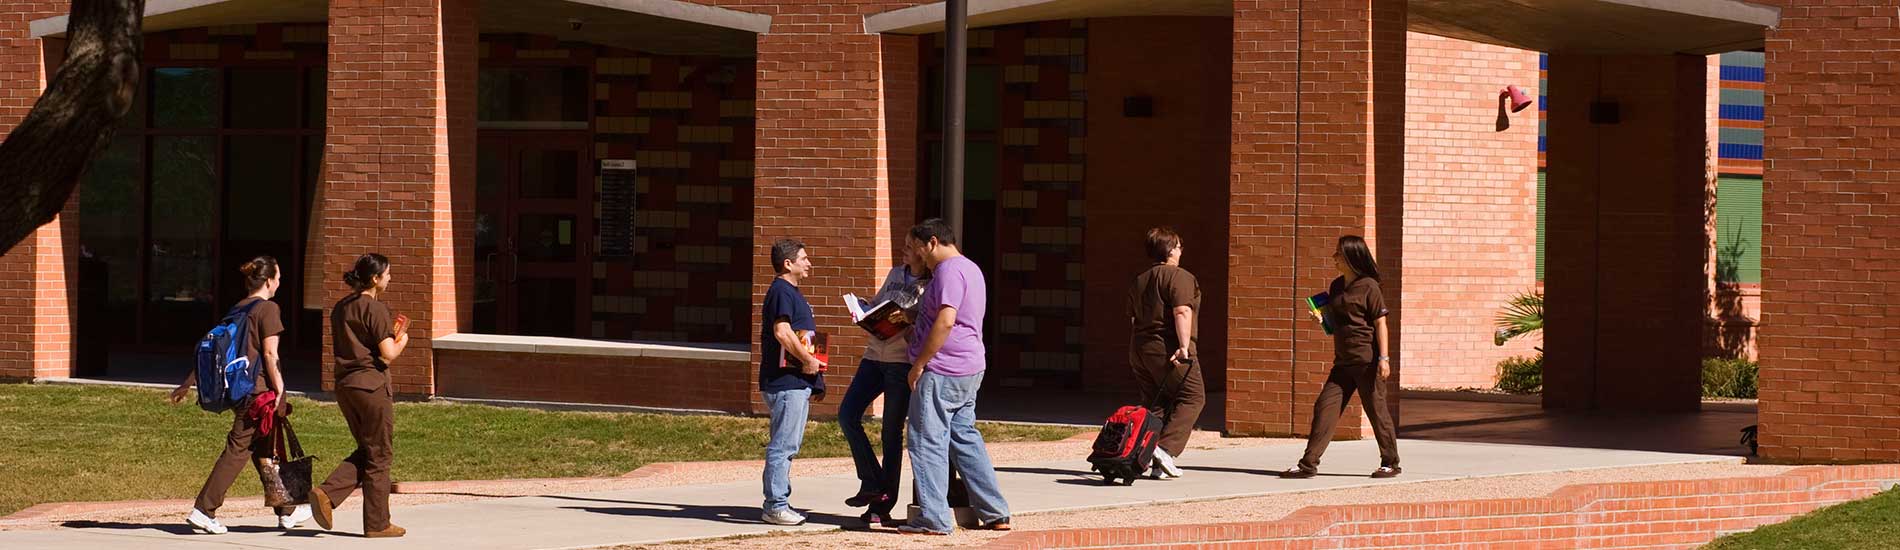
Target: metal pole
(955,73)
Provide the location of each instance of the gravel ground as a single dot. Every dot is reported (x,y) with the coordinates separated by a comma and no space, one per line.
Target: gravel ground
(1266,508)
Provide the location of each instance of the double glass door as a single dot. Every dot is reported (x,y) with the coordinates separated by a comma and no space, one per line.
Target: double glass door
(534,233)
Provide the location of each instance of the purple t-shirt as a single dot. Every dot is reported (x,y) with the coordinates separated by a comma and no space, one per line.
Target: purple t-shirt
(958,283)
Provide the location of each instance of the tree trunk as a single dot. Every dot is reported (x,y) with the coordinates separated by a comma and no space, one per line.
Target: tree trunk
(73,121)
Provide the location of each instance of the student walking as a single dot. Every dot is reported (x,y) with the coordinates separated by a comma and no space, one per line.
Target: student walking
(789,388)
(1356,309)
(1163,305)
(946,371)
(249,440)
(367,337)
(883,372)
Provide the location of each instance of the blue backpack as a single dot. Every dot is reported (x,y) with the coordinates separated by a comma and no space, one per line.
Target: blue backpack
(225,373)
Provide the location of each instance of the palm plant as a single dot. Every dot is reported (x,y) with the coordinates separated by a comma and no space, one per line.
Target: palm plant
(1524,314)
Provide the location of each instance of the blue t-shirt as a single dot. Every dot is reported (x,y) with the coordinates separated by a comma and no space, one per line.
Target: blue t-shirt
(784,302)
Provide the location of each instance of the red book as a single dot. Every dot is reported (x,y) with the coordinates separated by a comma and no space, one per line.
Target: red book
(883,320)
(816,343)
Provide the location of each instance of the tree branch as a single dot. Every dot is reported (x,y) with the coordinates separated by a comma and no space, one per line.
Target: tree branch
(73,121)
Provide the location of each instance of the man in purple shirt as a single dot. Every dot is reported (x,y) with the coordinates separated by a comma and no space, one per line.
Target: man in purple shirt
(946,349)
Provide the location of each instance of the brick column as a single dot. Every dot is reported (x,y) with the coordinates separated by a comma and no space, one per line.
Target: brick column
(399,172)
(1625,275)
(1318,152)
(903,86)
(1830,264)
(821,174)
(36,311)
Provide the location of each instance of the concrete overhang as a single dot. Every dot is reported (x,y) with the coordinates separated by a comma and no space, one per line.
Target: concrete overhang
(1556,26)
(165,15)
(928,18)
(666,27)
(658,26)
(1698,27)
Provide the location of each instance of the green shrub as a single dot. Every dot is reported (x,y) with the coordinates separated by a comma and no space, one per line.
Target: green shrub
(1728,378)
(1521,374)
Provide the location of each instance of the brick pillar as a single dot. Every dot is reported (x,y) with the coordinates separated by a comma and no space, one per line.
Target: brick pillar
(902,89)
(1626,231)
(36,311)
(820,170)
(1318,152)
(398,168)
(1830,267)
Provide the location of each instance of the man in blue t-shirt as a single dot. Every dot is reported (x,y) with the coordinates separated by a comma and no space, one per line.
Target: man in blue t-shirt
(788,383)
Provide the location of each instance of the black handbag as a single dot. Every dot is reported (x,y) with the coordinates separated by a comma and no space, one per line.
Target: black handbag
(286,474)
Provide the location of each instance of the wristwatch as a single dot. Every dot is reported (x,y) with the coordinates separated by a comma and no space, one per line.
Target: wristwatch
(1382,358)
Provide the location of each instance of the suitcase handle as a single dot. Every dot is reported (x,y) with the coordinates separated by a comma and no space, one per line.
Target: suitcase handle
(1162,397)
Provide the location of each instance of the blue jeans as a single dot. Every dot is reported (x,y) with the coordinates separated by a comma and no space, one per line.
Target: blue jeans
(789,410)
(875,378)
(942,432)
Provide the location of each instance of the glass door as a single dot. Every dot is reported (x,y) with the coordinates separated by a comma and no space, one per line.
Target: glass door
(534,229)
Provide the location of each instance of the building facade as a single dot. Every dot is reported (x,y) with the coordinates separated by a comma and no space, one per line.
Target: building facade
(575,194)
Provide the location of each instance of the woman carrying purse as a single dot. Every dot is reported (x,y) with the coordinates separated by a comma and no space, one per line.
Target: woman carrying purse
(245,442)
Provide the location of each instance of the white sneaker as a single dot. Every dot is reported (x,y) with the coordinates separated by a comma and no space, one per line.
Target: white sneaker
(1166,463)
(202,522)
(296,517)
(782,516)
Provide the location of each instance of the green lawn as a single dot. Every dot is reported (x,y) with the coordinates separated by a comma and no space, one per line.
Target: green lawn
(1867,523)
(72,443)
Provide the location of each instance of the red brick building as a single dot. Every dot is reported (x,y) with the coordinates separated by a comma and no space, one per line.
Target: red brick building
(574,193)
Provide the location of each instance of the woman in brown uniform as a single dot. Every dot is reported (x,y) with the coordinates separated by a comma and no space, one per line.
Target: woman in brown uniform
(1164,305)
(244,444)
(1355,307)
(367,337)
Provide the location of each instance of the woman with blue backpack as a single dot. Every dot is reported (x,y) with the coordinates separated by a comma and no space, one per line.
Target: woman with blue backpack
(261,322)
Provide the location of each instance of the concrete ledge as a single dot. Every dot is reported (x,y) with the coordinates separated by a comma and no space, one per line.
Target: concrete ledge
(596,348)
(1708,405)
(576,407)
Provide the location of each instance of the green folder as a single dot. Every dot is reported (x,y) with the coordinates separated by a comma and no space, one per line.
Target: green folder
(1317,302)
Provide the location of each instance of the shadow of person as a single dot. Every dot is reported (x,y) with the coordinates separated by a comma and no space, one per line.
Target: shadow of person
(1044,471)
(737,515)
(173,528)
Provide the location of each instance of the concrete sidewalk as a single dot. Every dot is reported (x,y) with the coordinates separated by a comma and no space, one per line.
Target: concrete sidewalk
(583,520)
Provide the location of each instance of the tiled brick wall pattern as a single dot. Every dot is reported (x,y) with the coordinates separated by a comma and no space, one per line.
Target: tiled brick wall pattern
(1470,190)
(1039,163)
(1655,514)
(259,44)
(688,121)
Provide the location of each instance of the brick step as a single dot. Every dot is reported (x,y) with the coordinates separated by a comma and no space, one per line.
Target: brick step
(1649,514)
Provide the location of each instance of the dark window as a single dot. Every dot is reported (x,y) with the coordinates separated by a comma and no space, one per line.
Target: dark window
(185,98)
(533,94)
(264,98)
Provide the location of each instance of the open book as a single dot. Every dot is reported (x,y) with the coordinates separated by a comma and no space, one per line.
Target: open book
(1317,303)
(883,320)
(814,342)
